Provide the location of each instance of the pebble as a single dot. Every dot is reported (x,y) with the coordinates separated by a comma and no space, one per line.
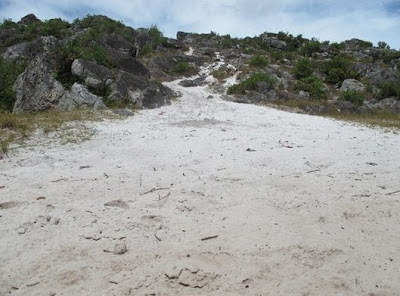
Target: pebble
(120,249)
(21,230)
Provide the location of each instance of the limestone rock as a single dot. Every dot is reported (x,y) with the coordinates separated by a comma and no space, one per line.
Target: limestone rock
(36,88)
(352,84)
(95,76)
(79,97)
(28,19)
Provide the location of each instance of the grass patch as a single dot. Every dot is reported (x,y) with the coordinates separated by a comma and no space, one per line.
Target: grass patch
(314,86)
(352,96)
(17,127)
(184,69)
(251,83)
(258,61)
(378,118)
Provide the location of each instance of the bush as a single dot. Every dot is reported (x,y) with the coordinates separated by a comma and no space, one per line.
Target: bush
(307,49)
(156,37)
(338,69)
(185,69)
(8,24)
(258,61)
(54,27)
(302,68)
(312,85)
(251,83)
(352,96)
(8,74)
(390,89)
(388,55)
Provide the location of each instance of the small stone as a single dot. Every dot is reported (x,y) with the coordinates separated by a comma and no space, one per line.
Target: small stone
(120,249)
(21,230)
(117,204)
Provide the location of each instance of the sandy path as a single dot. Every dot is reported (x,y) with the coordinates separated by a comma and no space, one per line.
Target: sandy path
(308,212)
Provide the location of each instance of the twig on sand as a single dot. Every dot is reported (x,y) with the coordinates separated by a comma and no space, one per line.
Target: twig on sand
(313,171)
(155,235)
(394,192)
(209,237)
(154,189)
(162,197)
(63,179)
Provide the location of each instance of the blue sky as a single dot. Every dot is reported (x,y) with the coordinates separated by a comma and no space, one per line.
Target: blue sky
(331,20)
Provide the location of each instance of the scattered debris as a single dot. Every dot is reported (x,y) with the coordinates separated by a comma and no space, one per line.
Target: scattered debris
(209,237)
(84,167)
(8,205)
(120,249)
(40,198)
(107,176)
(313,171)
(394,192)
(250,150)
(34,284)
(154,189)
(117,204)
(2,187)
(155,235)
(58,180)
(372,163)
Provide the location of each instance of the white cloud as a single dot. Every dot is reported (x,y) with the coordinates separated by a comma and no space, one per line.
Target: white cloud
(329,20)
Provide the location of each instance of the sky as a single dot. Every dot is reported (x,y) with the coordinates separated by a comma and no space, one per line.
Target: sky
(329,20)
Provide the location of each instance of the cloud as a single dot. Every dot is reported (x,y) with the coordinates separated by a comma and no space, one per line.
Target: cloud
(328,20)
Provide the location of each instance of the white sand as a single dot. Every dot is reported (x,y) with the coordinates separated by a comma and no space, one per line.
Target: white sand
(309,212)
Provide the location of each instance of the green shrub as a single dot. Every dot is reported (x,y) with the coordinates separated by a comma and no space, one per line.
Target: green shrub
(307,49)
(156,37)
(303,68)
(312,85)
(185,69)
(54,27)
(390,89)
(352,96)
(8,74)
(251,83)
(258,61)
(338,69)
(388,55)
(8,24)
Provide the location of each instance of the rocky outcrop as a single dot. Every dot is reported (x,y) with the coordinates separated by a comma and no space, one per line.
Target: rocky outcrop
(138,92)
(36,88)
(28,19)
(80,97)
(352,84)
(272,40)
(94,76)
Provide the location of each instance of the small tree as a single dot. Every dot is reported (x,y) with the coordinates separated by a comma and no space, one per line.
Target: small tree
(302,68)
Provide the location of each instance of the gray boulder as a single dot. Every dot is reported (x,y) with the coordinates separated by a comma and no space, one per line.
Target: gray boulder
(36,88)
(79,97)
(387,103)
(352,84)
(194,82)
(138,92)
(272,41)
(28,19)
(95,76)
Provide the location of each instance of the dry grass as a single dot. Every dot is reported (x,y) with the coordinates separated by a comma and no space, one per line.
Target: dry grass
(17,127)
(379,118)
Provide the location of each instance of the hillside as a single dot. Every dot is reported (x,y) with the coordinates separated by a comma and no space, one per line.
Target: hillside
(99,63)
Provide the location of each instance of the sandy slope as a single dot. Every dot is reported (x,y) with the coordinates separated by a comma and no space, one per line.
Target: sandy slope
(311,211)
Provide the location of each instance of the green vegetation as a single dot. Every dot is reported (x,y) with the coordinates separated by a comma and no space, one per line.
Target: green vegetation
(338,69)
(352,96)
(314,86)
(15,127)
(184,69)
(251,83)
(390,89)
(8,24)
(8,74)
(388,55)
(303,68)
(258,61)
(308,48)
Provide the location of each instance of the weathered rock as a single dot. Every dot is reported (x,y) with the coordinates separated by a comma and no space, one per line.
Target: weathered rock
(79,97)
(387,103)
(138,92)
(10,36)
(194,82)
(352,84)
(36,88)
(28,19)
(127,62)
(172,43)
(95,76)
(119,43)
(29,50)
(272,41)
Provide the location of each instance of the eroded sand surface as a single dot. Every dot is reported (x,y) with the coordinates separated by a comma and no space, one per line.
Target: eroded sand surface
(210,198)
